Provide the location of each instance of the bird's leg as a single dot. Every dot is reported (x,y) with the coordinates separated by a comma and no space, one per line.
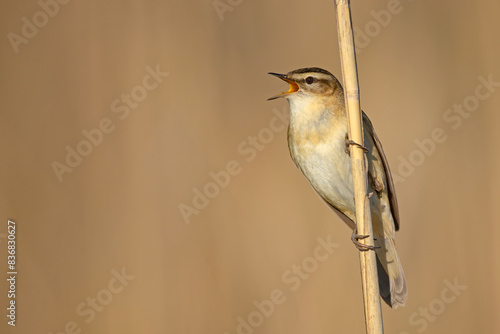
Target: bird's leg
(351,142)
(355,236)
(362,247)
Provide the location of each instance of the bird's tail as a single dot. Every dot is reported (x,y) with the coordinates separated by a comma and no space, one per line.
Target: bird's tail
(391,278)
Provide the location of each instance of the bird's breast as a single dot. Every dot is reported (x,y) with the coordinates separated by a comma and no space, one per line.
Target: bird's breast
(318,150)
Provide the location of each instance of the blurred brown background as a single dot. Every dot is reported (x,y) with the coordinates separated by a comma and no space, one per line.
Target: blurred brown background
(117,211)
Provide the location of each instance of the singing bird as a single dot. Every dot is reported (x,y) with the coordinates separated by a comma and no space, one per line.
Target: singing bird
(319,147)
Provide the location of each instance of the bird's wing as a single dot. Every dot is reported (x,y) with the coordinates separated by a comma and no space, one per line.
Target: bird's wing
(368,127)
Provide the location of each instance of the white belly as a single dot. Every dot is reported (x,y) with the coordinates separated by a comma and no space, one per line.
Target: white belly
(328,168)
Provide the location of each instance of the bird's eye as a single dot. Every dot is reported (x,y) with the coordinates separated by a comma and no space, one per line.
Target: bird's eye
(310,80)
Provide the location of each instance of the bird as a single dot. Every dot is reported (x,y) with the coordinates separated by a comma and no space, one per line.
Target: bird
(319,146)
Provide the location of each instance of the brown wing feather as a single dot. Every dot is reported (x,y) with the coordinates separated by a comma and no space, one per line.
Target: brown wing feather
(391,189)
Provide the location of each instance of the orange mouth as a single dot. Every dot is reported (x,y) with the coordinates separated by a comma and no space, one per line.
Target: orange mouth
(294,87)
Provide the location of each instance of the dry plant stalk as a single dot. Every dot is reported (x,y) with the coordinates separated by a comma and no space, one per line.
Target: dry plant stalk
(369,278)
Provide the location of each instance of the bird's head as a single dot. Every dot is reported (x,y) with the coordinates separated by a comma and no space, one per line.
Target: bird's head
(310,82)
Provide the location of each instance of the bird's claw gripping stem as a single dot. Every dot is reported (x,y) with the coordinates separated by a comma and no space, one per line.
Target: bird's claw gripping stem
(351,142)
(362,247)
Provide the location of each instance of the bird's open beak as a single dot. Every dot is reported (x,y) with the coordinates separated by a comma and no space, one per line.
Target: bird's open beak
(294,87)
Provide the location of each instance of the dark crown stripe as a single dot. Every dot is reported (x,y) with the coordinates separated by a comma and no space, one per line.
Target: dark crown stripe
(310,70)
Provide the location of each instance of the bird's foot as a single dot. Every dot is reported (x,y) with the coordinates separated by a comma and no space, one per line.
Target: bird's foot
(352,142)
(362,247)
